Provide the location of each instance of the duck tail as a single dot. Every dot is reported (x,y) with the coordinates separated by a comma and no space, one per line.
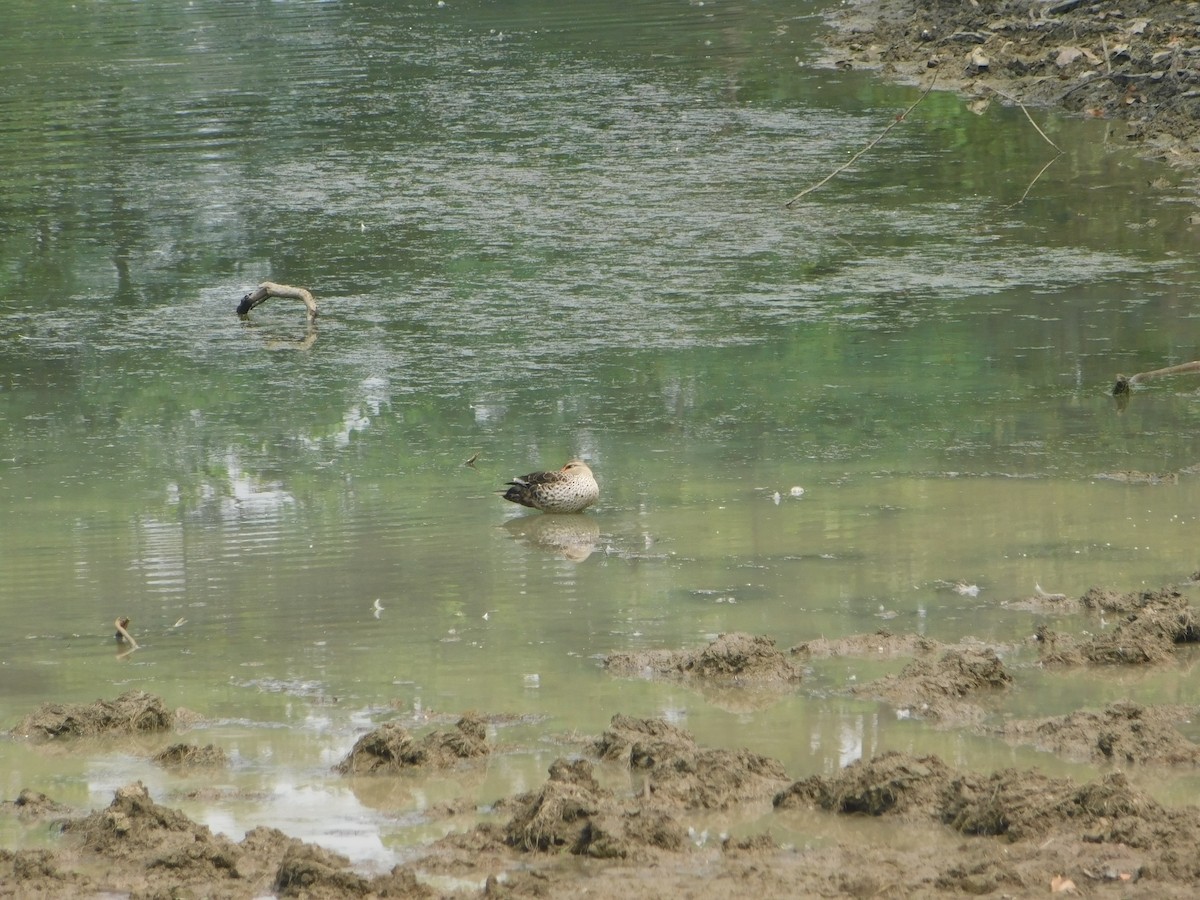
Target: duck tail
(519,492)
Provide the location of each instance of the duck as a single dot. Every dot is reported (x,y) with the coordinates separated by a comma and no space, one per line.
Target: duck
(570,489)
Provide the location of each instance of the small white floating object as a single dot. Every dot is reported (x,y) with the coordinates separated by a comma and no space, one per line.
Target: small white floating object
(378,607)
(533,680)
(485,616)
(796,491)
(179,623)
(967,590)
(777,498)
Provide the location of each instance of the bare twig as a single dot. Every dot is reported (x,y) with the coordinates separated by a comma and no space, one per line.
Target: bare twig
(1029,188)
(1057,150)
(1012,99)
(844,166)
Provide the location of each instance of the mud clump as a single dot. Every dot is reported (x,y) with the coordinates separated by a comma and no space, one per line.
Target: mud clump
(936,689)
(311,871)
(131,713)
(891,783)
(1123,733)
(1152,624)
(306,868)
(184,756)
(391,748)
(34,806)
(572,812)
(675,771)
(882,644)
(39,873)
(559,813)
(731,659)
(133,824)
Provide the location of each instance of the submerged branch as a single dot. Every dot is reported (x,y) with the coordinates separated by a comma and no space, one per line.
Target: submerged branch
(270,289)
(1036,128)
(852,160)
(1058,151)
(1123,383)
(1041,172)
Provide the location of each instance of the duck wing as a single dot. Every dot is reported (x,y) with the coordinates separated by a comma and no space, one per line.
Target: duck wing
(539,478)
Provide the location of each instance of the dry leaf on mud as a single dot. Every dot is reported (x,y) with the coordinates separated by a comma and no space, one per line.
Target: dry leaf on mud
(1066,56)
(1060,884)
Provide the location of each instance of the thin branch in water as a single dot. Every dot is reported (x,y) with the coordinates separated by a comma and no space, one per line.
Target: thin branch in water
(1042,172)
(1057,150)
(852,160)
(1045,138)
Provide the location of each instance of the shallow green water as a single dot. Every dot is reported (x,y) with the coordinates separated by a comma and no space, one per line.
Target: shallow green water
(535,233)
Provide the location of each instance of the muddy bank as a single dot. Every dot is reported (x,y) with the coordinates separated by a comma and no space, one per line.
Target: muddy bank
(1136,63)
(137,845)
(624,813)
(1103,833)
(1023,833)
